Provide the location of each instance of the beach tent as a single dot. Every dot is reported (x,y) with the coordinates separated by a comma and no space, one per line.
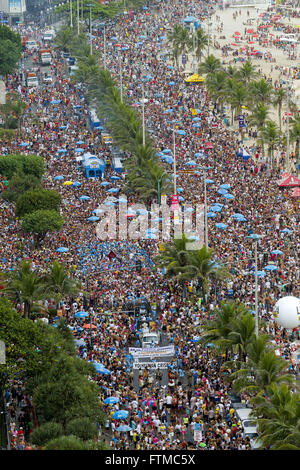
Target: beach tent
(195,78)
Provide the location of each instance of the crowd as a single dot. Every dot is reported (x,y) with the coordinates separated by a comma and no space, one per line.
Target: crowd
(195,392)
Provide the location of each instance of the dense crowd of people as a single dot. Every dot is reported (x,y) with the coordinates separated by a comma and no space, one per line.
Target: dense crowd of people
(195,391)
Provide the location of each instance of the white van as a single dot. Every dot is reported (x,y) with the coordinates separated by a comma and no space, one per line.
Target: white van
(249,426)
(150,340)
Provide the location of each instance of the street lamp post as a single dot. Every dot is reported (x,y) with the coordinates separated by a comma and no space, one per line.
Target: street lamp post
(205,168)
(90,5)
(287,126)
(255,237)
(143,108)
(174,160)
(78,17)
(71,15)
(104,44)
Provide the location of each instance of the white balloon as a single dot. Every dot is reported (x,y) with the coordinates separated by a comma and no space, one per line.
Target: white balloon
(287,312)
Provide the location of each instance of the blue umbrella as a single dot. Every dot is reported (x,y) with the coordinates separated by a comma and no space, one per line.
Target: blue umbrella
(63,127)
(208,181)
(93,218)
(142,212)
(113,190)
(211,214)
(196,125)
(84,198)
(148,77)
(124,428)
(277,252)
(180,190)
(81,315)
(61,151)
(198,154)
(59,177)
(79,150)
(260,273)
(191,163)
(109,203)
(122,200)
(76,184)
(180,198)
(228,196)
(216,208)
(225,186)
(55,102)
(167,151)
(271,267)
(170,67)
(222,191)
(239,217)
(286,230)
(80,142)
(115,178)
(196,119)
(104,183)
(222,226)
(171,83)
(62,249)
(80,342)
(23,144)
(121,414)
(168,111)
(181,132)
(111,400)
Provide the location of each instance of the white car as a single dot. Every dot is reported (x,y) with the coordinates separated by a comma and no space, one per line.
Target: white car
(150,340)
(47,79)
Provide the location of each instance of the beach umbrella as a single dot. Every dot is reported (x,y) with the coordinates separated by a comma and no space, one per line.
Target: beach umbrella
(84,198)
(221,225)
(62,249)
(171,83)
(216,208)
(222,191)
(93,218)
(79,149)
(55,102)
(191,163)
(109,203)
(225,186)
(61,151)
(277,252)
(81,315)
(181,132)
(59,177)
(124,428)
(208,181)
(180,190)
(97,211)
(196,125)
(211,214)
(199,154)
(23,144)
(80,142)
(196,119)
(167,111)
(167,151)
(239,217)
(111,400)
(113,190)
(76,184)
(142,212)
(63,127)
(67,183)
(115,178)
(180,198)
(122,200)
(120,414)
(286,230)
(104,183)
(228,196)
(271,267)
(80,342)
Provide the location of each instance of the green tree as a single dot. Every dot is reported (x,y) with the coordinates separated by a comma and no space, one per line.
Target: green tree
(295,137)
(279,97)
(37,199)
(278,418)
(16,163)
(59,282)
(200,41)
(211,65)
(260,91)
(259,116)
(19,184)
(64,38)
(82,428)
(41,222)
(247,72)
(66,443)
(269,135)
(216,85)
(10,50)
(243,333)
(45,433)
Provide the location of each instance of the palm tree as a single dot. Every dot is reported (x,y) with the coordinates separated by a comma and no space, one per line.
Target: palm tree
(295,137)
(218,329)
(211,65)
(279,96)
(247,72)
(260,91)
(269,135)
(262,368)
(149,180)
(201,267)
(259,116)
(278,418)
(238,96)
(179,38)
(59,282)
(64,38)
(243,333)
(26,287)
(174,258)
(216,86)
(200,41)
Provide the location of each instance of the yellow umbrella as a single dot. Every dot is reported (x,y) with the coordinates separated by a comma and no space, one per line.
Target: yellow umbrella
(244,107)
(194,78)
(67,183)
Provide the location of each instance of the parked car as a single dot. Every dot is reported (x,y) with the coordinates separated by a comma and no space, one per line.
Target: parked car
(150,339)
